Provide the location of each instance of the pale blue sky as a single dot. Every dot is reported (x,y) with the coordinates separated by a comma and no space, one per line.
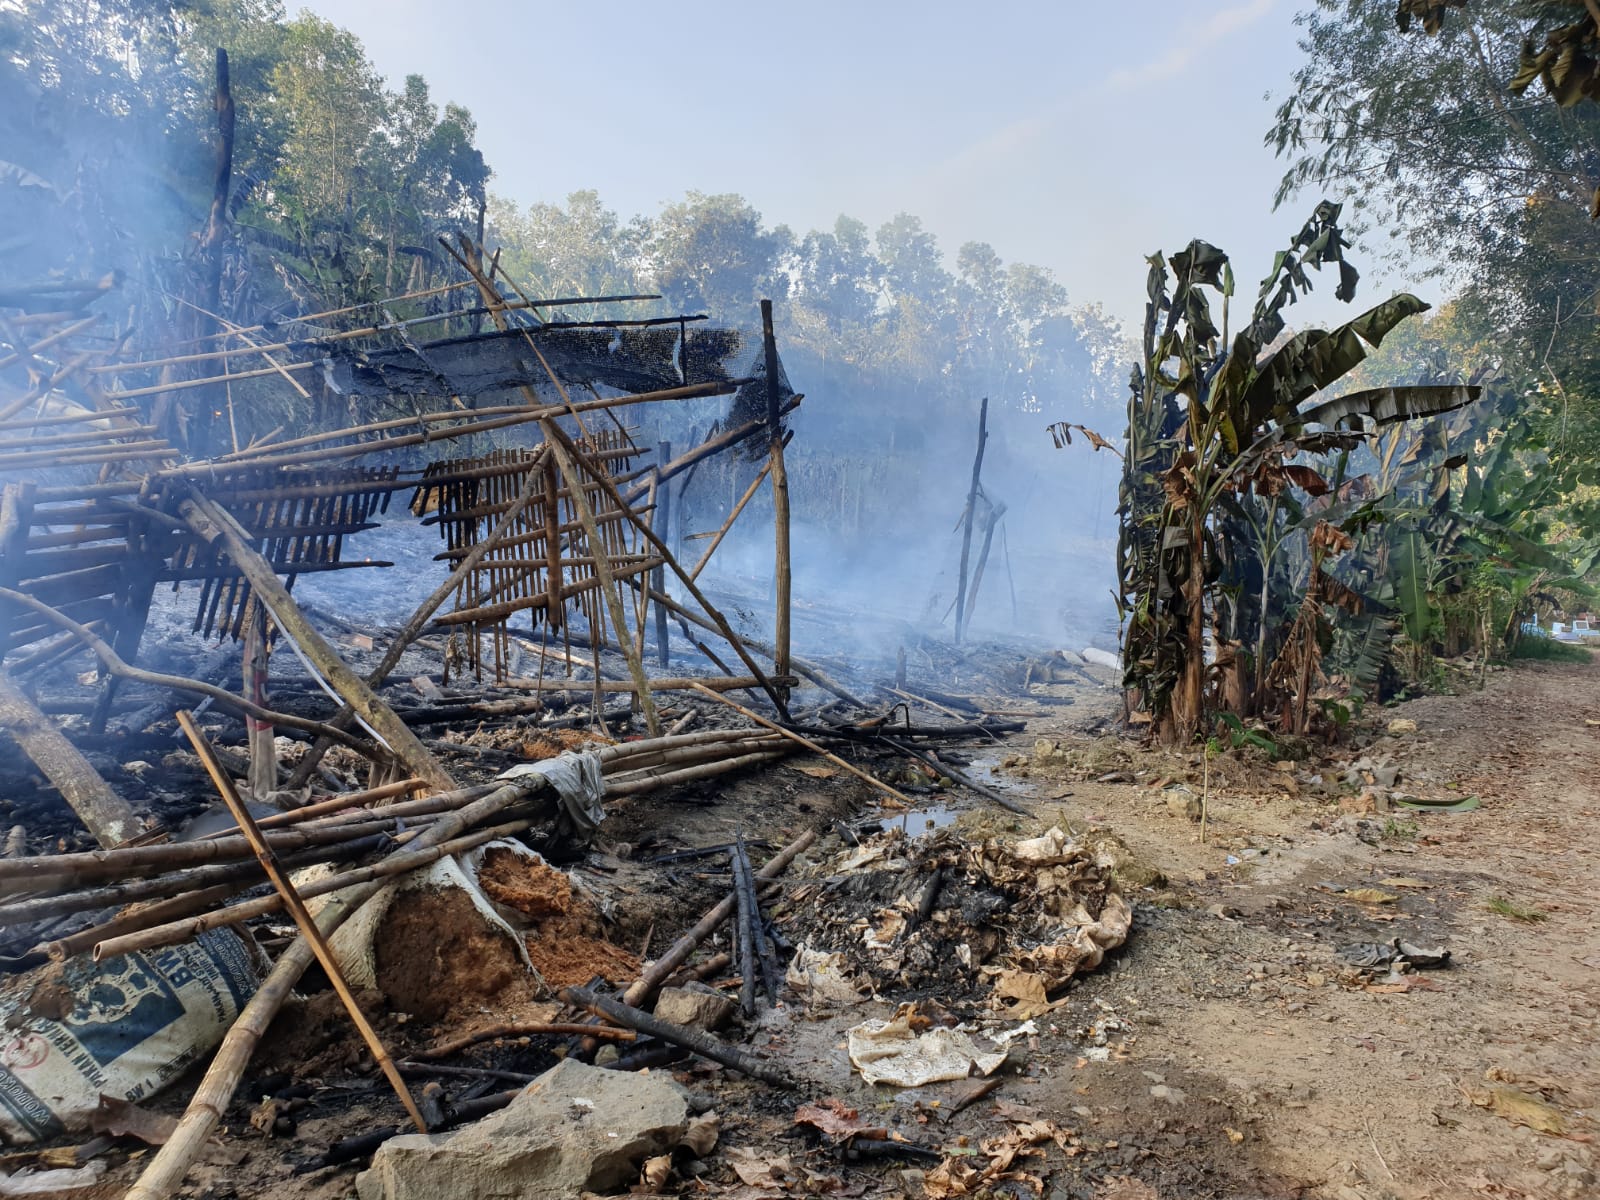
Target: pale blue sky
(1050,130)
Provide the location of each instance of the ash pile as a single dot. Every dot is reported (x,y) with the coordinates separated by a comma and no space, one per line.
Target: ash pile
(996,926)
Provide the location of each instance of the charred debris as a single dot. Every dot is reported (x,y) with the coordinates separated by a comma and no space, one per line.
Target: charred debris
(257,788)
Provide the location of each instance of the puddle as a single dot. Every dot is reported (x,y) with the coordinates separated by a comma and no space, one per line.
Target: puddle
(923,821)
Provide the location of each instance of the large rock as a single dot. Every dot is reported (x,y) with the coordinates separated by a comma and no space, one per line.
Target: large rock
(575,1128)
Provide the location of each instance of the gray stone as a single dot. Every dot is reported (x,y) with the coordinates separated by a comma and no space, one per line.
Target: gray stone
(1170,1095)
(696,1006)
(576,1128)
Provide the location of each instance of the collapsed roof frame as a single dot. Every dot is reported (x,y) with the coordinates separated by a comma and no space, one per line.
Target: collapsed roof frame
(79,562)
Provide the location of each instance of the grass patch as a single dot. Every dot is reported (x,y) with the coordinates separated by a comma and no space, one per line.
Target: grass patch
(1400,830)
(1539,649)
(1517,912)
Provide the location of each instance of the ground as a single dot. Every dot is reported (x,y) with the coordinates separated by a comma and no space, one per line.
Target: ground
(1226,1050)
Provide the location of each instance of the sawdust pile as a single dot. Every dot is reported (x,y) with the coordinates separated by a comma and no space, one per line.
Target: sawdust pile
(566,937)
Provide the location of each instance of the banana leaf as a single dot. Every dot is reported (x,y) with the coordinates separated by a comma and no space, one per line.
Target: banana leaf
(1384,406)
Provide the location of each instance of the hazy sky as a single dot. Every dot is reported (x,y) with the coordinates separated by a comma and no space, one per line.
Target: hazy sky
(1050,130)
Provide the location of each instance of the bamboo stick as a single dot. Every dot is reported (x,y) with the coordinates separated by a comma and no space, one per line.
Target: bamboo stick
(716,538)
(170,932)
(516,1029)
(171,1163)
(114,663)
(710,770)
(302,917)
(809,745)
(780,504)
(104,813)
(700,1043)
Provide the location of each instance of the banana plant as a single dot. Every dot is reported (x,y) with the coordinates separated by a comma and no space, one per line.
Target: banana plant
(1214,420)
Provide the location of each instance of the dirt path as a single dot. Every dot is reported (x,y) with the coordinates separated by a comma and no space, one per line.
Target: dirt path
(1253,1062)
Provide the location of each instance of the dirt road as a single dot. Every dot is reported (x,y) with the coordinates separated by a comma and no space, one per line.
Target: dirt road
(1255,1062)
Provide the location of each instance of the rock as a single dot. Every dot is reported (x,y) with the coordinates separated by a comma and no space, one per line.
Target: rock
(1386,774)
(1315,980)
(1184,804)
(1401,726)
(576,1128)
(1366,802)
(1170,1095)
(1043,749)
(696,1006)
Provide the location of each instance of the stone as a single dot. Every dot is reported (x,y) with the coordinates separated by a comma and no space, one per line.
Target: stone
(576,1128)
(1169,1094)
(1366,802)
(1043,749)
(1315,980)
(696,1006)
(1401,726)
(1183,804)
(1386,774)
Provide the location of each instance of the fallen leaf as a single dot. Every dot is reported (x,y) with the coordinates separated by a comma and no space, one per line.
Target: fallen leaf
(835,1119)
(1371,896)
(756,1170)
(656,1171)
(1519,1108)
(815,772)
(1234,1135)
(121,1118)
(701,1136)
(1404,881)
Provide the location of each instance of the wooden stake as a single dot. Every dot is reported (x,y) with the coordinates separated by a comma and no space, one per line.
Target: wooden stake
(171,1163)
(969,517)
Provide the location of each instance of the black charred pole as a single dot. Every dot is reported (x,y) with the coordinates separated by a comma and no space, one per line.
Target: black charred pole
(745,878)
(969,518)
(216,231)
(658,577)
(744,939)
(780,505)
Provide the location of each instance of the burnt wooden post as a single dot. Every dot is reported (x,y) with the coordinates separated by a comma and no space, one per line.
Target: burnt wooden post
(658,577)
(780,503)
(263,750)
(967,520)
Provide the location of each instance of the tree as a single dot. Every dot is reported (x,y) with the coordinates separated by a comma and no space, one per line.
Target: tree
(712,254)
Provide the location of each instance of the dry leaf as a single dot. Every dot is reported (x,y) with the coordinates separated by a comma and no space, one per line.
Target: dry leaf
(1371,896)
(1234,1135)
(656,1171)
(1404,881)
(756,1170)
(701,1136)
(122,1118)
(835,1119)
(1519,1108)
(815,772)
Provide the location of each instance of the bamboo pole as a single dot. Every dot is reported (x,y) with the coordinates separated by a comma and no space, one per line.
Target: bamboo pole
(302,917)
(710,770)
(104,813)
(809,745)
(171,1162)
(167,933)
(216,527)
(114,663)
(716,538)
